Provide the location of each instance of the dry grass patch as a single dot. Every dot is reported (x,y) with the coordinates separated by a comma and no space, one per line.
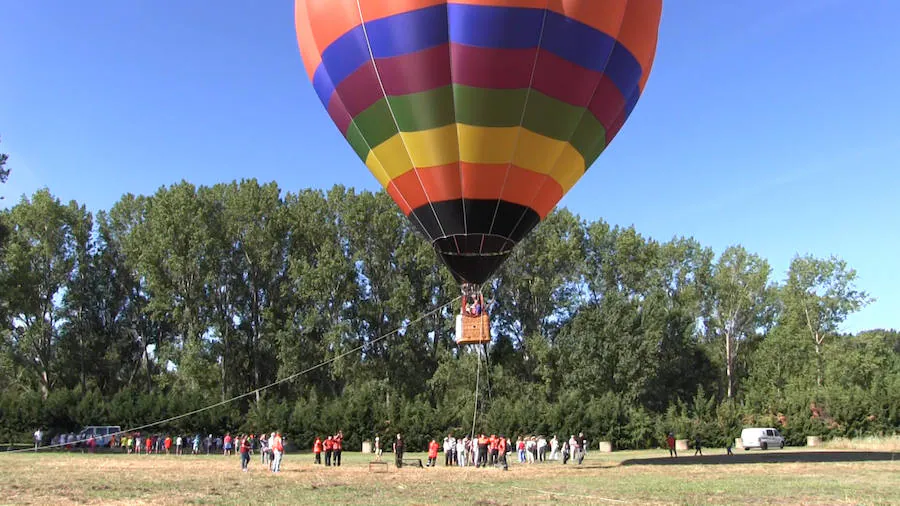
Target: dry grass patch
(620,478)
(889,443)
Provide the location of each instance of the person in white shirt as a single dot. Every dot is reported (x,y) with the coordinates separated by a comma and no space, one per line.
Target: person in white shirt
(447,450)
(541,448)
(38,437)
(461,452)
(554,448)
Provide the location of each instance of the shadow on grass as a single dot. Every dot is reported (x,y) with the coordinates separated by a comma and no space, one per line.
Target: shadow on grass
(767,457)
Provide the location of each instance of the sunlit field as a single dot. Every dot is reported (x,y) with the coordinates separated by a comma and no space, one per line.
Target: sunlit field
(790,476)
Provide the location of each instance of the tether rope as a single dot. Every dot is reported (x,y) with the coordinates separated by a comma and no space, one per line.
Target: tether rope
(477,376)
(254,391)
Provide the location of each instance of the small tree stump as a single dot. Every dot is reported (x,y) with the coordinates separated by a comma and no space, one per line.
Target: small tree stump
(813,441)
(606,447)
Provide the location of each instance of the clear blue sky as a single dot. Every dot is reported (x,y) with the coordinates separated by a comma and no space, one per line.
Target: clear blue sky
(770,123)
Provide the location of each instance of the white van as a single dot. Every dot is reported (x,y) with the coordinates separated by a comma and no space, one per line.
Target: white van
(762,438)
(101,434)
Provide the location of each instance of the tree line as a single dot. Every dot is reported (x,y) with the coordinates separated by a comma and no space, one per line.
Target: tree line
(173,301)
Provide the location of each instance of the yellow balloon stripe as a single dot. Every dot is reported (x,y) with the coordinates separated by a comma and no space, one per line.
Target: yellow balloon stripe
(474,144)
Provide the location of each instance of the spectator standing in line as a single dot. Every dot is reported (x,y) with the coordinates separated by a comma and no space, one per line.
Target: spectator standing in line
(264,449)
(228,443)
(277,452)
(447,451)
(245,453)
(398,451)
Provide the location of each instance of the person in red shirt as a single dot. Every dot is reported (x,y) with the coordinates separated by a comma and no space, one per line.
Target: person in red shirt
(670,441)
(337,447)
(492,443)
(167,444)
(432,453)
(228,443)
(317,449)
(501,451)
(149,445)
(329,447)
(245,453)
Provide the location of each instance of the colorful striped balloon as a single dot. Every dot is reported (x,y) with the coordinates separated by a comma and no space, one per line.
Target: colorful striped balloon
(477,116)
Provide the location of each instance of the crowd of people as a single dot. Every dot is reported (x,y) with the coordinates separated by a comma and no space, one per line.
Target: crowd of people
(492,450)
(480,451)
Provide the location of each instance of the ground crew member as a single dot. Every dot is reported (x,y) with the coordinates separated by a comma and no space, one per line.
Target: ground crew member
(337,447)
(329,447)
(501,449)
(482,450)
(167,444)
(317,450)
(432,453)
(492,443)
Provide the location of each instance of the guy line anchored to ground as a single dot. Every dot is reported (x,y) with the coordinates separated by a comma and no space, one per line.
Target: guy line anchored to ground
(260,389)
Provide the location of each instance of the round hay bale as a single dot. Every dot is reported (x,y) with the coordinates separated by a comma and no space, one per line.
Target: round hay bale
(813,441)
(606,447)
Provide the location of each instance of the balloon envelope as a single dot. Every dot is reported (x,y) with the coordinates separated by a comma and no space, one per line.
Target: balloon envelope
(477,116)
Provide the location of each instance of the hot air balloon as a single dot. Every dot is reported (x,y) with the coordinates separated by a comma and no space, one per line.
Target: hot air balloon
(477,116)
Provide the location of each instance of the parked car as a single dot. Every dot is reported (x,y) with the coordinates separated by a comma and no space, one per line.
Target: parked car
(101,434)
(762,438)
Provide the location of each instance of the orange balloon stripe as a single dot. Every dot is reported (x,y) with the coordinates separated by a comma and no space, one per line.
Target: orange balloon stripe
(309,51)
(476,181)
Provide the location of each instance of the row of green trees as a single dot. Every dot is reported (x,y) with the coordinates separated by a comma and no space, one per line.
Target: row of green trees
(167,303)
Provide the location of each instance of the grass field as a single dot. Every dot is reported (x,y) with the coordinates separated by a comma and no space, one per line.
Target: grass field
(790,476)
